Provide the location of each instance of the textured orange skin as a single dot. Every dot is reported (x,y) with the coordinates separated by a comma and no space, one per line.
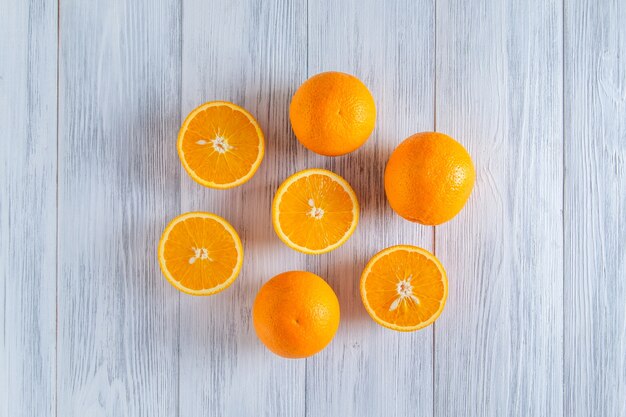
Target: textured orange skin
(296,314)
(429,178)
(332,113)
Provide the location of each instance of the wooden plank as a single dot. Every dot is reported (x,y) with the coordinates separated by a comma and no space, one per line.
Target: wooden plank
(119,184)
(368,370)
(498,350)
(595,208)
(28,144)
(252,54)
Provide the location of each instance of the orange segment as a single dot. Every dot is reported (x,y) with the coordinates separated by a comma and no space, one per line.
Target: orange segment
(315,211)
(220,145)
(404,288)
(200,253)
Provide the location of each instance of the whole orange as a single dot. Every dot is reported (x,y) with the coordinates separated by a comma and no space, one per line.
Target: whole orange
(429,178)
(332,113)
(296,314)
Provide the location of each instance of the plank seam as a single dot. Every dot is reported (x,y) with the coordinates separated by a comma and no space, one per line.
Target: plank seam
(307,39)
(306,361)
(434,232)
(563,22)
(56,227)
(180,185)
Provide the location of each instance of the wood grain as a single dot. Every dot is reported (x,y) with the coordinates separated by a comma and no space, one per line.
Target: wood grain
(368,370)
(252,54)
(498,348)
(28,162)
(119,183)
(91,99)
(595,209)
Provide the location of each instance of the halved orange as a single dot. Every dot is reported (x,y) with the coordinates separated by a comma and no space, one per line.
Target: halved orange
(404,288)
(220,145)
(200,253)
(315,211)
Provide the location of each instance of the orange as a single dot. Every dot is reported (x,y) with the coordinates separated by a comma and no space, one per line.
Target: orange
(332,113)
(315,211)
(429,178)
(404,288)
(296,314)
(200,253)
(220,145)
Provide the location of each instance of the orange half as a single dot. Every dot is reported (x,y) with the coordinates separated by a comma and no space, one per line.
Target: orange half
(404,288)
(315,211)
(220,145)
(200,253)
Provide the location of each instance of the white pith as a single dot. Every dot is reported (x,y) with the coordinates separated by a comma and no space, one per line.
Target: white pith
(219,143)
(199,253)
(405,291)
(315,212)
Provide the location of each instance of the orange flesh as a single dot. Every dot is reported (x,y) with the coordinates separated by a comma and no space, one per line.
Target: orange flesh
(207,269)
(300,217)
(221,144)
(405,289)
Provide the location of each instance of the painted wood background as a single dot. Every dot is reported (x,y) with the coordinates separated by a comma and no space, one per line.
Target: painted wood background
(91,98)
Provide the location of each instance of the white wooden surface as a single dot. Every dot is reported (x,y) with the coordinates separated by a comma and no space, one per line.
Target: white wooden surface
(499,349)
(91,98)
(28,208)
(594,317)
(117,328)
